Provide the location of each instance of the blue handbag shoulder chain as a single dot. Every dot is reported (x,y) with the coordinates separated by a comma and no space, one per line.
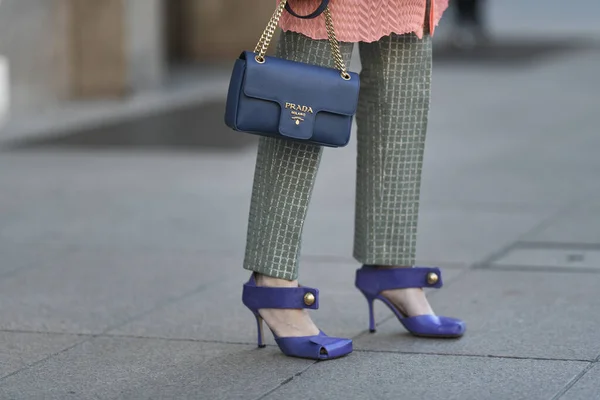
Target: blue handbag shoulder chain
(290,100)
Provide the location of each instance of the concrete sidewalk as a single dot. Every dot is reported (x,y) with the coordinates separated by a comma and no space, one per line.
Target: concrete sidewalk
(120,271)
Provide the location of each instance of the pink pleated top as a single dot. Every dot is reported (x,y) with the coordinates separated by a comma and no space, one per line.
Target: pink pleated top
(365,20)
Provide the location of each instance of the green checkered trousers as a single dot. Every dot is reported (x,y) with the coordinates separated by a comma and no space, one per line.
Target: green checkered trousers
(392,123)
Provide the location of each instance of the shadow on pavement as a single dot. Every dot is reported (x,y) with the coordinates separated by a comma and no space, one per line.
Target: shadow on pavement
(195,127)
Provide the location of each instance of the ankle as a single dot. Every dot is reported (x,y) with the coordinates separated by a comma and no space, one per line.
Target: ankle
(269,281)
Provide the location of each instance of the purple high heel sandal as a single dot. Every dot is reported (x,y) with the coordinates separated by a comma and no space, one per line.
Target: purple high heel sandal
(371,281)
(318,347)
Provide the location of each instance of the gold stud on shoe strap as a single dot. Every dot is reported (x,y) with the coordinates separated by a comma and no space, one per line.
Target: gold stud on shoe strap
(309,299)
(432,278)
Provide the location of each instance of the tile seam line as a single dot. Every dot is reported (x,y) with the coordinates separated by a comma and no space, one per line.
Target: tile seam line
(539,269)
(124,336)
(285,382)
(38,362)
(477,356)
(49,333)
(558,245)
(574,381)
(167,339)
(162,304)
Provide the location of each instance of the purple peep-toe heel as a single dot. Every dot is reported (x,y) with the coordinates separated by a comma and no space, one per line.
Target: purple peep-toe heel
(318,347)
(371,281)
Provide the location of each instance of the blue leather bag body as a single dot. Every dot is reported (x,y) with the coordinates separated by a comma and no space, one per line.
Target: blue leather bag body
(274,97)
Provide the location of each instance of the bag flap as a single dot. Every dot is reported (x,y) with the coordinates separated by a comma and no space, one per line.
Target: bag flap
(302,90)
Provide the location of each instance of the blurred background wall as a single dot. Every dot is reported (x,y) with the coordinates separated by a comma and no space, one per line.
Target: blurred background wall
(215,29)
(32,38)
(61,50)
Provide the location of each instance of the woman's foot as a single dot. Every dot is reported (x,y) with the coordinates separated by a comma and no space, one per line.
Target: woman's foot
(400,289)
(280,303)
(411,302)
(286,322)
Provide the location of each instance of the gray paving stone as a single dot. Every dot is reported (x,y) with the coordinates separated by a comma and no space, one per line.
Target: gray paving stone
(90,291)
(99,201)
(15,257)
(513,314)
(588,387)
(461,236)
(218,313)
(578,226)
(508,174)
(214,314)
(120,368)
(504,157)
(365,375)
(20,349)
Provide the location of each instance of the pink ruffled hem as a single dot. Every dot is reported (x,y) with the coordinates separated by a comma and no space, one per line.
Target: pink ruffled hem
(366,20)
(418,31)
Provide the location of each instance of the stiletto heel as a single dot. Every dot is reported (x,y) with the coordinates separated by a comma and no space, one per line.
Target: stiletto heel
(370,302)
(317,347)
(371,317)
(371,281)
(259,326)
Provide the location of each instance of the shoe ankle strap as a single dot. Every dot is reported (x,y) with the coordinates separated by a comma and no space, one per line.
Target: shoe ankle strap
(380,279)
(257,297)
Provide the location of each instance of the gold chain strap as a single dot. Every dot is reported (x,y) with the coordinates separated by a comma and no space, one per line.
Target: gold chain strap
(335,45)
(267,36)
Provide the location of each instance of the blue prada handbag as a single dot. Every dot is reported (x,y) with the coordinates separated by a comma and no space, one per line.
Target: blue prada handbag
(274,97)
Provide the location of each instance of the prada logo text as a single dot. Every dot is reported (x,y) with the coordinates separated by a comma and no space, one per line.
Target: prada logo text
(298,111)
